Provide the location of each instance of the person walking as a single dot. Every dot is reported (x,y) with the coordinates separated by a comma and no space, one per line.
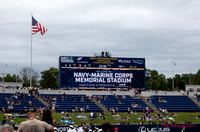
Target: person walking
(34,125)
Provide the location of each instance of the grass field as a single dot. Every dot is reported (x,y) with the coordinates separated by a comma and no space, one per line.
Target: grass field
(182,116)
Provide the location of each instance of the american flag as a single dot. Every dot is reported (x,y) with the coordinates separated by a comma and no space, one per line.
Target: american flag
(174,63)
(36,27)
(5,64)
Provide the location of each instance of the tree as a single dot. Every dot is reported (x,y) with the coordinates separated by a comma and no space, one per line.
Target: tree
(156,81)
(49,78)
(11,78)
(162,83)
(25,73)
(178,82)
(169,83)
(196,78)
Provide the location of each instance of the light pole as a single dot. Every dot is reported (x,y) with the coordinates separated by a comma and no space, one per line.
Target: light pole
(3,73)
(173,64)
(16,71)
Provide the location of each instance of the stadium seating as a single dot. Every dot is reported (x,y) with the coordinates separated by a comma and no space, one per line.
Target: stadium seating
(122,104)
(67,103)
(175,103)
(19,107)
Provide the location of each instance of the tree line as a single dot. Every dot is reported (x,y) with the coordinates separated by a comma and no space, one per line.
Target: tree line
(159,82)
(155,81)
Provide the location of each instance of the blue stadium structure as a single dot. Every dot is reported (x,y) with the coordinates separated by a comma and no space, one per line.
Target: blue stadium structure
(70,101)
(18,103)
(173,103)
(120,103)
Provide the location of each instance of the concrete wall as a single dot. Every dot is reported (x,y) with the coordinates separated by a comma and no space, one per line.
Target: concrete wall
(11,84)
(192,88)
(84,92)
(2,90)
(90,93)
(150,93)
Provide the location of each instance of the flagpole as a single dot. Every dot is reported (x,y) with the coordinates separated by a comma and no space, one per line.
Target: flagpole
(31,54)
(16,72)
(173,75)
(3,72)
(190,80)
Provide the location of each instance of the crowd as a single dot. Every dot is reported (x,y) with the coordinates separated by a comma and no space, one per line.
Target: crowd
(197,97)
(46,124)
(17,99)
(160,99)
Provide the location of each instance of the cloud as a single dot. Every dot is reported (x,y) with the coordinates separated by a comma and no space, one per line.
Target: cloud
(160,31)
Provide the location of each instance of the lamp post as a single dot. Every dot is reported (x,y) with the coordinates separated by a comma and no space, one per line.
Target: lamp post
(173,64)
(16,71)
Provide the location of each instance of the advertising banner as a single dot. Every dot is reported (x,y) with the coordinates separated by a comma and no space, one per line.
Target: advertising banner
(140,128)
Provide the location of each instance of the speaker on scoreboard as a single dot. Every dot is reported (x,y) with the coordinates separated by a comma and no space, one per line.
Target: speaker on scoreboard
(102,54)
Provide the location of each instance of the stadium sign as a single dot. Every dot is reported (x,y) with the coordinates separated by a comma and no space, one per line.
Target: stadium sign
(78,71)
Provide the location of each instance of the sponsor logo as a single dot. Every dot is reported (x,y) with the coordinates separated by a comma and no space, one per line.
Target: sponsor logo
(142,129)
(79,58)
(154,129)
(82,61)
(121,66)
(67,59)
(137,61)
(124,61)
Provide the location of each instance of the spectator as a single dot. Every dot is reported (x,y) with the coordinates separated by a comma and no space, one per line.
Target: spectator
(87,108)
(91,115)
(80,129)
(71,129)
(106,127)
(34,125)
(47,117)
(6,128)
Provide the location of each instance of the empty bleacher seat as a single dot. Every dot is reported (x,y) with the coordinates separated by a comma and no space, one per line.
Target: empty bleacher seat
(174,103)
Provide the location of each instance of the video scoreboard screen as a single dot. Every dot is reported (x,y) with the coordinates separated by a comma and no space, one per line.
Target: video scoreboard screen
(107,72)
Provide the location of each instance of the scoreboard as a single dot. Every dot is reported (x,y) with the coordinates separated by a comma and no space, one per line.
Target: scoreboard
(107,72)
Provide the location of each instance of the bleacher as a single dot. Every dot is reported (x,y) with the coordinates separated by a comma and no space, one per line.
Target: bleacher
(122,104)
(67,103)
(24,102)
(176,103)
(173,103)
(198,98)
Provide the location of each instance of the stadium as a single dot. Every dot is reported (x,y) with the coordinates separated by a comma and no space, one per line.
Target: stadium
(98,89)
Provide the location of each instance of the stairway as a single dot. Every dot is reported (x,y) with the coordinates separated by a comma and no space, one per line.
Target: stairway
(149,104)
(42,101)
(100,105)
(195,101)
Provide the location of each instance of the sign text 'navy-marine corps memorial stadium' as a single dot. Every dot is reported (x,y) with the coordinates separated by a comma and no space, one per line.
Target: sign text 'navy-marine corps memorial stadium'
(107,72)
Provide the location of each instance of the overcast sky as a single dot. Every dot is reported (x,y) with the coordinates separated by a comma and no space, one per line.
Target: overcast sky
(161,31)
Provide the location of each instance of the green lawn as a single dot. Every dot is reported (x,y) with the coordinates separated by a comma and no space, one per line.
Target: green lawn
(182,116)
